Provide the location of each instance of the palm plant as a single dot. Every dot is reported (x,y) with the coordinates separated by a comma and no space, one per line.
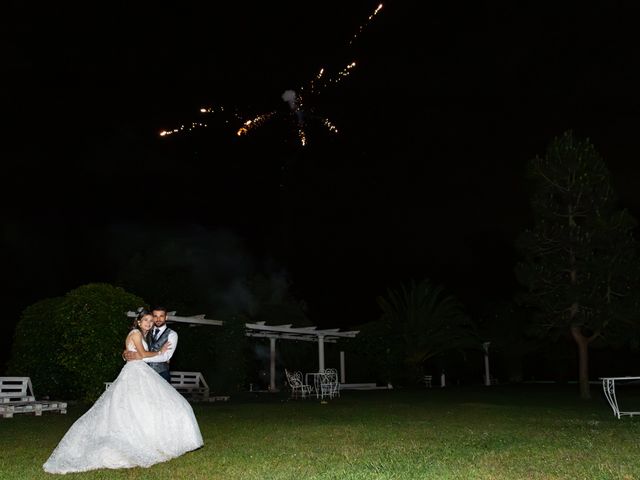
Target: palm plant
(423,321)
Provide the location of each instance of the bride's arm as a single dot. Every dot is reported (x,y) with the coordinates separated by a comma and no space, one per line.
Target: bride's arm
(136,337)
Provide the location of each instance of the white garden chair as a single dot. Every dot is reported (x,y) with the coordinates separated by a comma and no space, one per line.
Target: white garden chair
(336,382)
(298,388)
(329,385)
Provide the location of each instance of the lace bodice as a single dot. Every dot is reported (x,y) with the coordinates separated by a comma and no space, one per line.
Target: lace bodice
(131,346)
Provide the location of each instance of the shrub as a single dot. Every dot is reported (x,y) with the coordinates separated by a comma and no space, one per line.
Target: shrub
(66,345)
(34,352)
(231,353)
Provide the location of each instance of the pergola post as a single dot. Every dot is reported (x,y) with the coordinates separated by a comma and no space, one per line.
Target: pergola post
(272,364)
(487,376)
(307,334)
(342,372)
(321,353)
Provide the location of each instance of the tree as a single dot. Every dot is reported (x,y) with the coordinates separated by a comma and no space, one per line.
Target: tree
(579,256)
(71,345)
(219,353)
(419,321)
(34,339)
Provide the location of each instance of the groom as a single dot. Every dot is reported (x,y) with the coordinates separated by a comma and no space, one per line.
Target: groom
(158,336)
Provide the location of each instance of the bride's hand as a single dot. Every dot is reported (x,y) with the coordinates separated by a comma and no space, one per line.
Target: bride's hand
(165,347)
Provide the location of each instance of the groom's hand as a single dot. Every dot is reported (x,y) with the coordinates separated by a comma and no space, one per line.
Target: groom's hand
(128,355)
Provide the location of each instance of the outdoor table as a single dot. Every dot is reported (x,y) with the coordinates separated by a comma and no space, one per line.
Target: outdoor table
(316,381)
(609,387)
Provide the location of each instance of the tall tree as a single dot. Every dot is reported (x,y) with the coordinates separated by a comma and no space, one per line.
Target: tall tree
(578,265)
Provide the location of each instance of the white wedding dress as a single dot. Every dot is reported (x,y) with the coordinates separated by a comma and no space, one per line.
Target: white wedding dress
(139,421)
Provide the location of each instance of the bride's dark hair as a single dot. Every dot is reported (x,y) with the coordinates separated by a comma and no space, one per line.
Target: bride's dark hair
(141,311)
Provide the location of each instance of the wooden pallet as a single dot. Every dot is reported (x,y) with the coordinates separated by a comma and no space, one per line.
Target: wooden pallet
(16,396)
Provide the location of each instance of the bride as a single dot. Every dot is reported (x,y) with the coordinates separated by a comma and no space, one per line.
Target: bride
(139,421)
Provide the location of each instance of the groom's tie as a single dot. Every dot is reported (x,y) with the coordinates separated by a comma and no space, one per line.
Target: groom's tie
(156,334)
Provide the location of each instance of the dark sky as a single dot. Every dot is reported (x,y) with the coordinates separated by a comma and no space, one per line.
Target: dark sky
(446,105)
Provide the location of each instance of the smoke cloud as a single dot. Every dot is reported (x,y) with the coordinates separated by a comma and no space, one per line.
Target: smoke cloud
(290,97)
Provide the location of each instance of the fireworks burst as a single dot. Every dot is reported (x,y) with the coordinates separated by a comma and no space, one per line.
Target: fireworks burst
(295,100)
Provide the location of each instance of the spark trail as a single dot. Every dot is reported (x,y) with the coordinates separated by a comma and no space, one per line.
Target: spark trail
(295,99)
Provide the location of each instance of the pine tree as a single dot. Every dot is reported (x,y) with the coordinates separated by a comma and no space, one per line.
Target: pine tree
(579,262)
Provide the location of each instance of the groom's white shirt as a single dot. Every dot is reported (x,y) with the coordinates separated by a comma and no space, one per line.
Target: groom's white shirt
(166,356)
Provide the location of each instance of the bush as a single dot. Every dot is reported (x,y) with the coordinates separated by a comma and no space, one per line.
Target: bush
(66,345)
(231,356)
(33,352)
(219,353)
(196,350)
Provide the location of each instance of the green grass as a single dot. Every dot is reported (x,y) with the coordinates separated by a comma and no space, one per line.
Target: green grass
(495,433)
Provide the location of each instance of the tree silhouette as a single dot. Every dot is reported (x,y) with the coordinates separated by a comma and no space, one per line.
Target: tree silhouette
(579,262)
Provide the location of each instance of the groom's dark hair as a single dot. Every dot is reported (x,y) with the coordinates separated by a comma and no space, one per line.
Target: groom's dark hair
(159,307)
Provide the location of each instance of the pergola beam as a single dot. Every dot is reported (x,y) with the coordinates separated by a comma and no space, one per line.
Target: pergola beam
(274,332)
(193,320)
(307,331)
(286,336)
(291,333)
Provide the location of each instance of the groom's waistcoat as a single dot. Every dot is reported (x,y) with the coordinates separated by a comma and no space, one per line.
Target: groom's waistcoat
(155,347)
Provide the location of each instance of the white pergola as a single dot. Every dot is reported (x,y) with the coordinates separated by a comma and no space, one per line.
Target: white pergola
(192,320)
(275,332)
(306,334)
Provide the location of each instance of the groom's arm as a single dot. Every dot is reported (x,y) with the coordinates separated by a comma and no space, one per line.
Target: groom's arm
(166,356)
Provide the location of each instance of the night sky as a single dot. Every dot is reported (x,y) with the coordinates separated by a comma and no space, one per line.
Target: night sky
(425,179)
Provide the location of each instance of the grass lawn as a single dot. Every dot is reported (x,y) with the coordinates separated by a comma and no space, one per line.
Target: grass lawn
(502,432)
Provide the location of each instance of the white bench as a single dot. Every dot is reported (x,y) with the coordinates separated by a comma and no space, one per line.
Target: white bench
(190,384)
(16,396)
